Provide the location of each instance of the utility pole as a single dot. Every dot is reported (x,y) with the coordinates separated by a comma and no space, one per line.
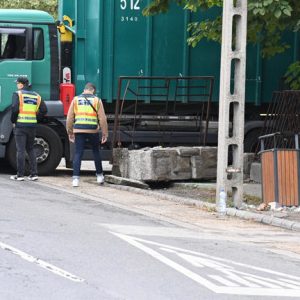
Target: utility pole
(232,100)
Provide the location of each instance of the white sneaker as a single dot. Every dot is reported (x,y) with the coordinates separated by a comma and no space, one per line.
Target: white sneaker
(100,178)
(33,177)
(17,178)
(75,182)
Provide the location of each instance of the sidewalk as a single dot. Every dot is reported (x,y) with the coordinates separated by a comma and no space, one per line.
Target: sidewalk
(253,195)
(202,195)
(283,218)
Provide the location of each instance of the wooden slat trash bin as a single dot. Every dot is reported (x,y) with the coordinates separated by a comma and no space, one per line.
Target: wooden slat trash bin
(280,173)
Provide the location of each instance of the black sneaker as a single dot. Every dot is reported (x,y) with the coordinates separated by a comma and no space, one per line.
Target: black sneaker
(33,177)
(17,178)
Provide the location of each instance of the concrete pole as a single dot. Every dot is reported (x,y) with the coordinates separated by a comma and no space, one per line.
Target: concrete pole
(232,100)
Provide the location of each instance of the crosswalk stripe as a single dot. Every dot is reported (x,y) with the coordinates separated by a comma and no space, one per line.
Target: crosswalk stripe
(223,280)
(291,281)
(262,282)
(242,281)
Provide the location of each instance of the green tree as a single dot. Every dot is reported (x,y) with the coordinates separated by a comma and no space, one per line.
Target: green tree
(47,5)
(268,20)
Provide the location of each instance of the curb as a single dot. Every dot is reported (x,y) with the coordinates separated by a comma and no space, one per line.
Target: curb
(268,220)
(233,212)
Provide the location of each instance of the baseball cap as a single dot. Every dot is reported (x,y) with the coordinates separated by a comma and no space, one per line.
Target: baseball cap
(22,79)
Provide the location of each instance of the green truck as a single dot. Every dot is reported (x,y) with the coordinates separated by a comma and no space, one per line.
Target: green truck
(100,41)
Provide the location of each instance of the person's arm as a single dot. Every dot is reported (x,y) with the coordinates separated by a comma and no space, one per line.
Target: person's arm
(14,108)
(70,122)
(42,110)
(103,122)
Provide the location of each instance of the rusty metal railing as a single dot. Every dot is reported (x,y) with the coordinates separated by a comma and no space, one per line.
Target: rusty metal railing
(159,100)
(282,117)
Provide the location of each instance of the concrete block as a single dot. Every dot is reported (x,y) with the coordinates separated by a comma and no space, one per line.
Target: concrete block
(255,172)
(248,160)
(254,216)
(120,162)
(181,168)
(187,151)
(126,181)
(140,165)
(162,168)
(296,226)
(163,152)
(204,166)
(277,222)
(287,224)
(165,164)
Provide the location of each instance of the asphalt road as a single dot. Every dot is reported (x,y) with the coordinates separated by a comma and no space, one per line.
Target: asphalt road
(57,244)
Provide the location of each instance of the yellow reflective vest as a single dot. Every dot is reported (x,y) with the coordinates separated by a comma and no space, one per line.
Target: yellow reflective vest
(85,116)
(29,103)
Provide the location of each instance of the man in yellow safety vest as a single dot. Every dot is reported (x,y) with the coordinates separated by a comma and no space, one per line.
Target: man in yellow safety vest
(86,116)
(26,105)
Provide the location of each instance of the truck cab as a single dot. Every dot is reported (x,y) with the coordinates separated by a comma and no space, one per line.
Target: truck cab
(29,47)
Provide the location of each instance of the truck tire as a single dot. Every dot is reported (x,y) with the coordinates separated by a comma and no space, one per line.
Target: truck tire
(251,142)
(48,148)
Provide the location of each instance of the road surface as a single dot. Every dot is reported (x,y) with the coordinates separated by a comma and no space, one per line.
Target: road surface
(57,242)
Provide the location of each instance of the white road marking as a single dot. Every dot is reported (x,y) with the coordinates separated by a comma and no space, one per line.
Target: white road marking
(262,285)
(279,281)
(223,280)
(41,263)
(167,261)
(291,281)
(242,281)
(262,282)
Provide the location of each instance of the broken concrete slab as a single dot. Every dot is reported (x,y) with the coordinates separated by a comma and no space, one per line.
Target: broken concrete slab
(125,181)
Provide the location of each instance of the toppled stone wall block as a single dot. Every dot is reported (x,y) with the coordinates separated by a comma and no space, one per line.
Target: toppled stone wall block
(165,164)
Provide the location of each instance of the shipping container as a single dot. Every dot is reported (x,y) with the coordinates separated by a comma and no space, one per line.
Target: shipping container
(114,39)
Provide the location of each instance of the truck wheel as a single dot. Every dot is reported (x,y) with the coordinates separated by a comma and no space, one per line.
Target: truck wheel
(251,142)
(48,149)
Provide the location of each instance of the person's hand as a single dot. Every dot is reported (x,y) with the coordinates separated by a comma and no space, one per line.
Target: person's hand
(104,139)
(14,125)
(72,137)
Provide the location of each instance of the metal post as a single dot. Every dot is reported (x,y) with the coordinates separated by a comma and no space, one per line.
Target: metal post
(232,93)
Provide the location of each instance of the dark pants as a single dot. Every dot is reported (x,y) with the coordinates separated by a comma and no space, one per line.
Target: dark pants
(80,140)
(24,143)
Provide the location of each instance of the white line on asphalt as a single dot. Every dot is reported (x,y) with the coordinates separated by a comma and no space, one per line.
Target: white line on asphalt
(217,258)
(279,281)
(223,280)
(242,281)
(262,282)
(214,264)
(290,281)
(167,261)
(41,263)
